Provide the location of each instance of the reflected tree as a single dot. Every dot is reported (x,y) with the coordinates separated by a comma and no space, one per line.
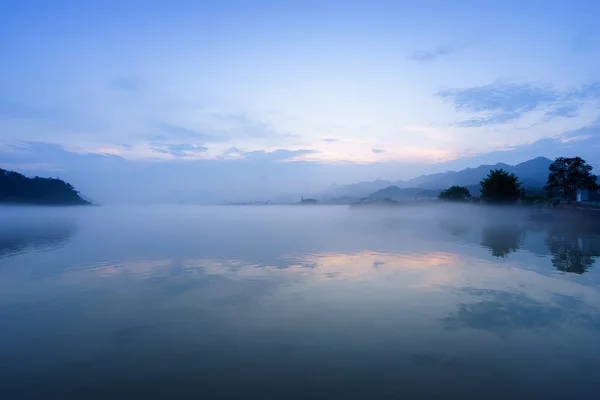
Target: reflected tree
(18,239)
(572,252)
(501,239)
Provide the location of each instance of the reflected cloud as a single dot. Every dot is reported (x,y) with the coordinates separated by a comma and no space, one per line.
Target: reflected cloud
(134,268)
(501,312)
(355,265)
(329,265)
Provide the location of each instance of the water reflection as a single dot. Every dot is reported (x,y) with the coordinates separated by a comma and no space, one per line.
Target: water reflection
(502,239)
(34,235)
(572,251)
(455,227)
(501,311)
(232,303)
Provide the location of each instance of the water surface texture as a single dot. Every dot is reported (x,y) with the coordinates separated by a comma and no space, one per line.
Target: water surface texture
(295,302)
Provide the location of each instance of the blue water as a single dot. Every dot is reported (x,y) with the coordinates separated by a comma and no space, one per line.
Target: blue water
(295,302)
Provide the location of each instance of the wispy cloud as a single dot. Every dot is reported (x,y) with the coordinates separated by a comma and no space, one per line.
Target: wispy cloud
(565,111)
(590,131)
(218,127)
(278,155)
(169,132)
(500,97)
(502,102)
(431,55)
(331,140)
(232,150)
(490,120)
(575,138)
(378,151)
(180,150)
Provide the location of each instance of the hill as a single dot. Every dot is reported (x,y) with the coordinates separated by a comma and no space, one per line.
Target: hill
(396,193)
(358,190)
(17,188)
(532,173)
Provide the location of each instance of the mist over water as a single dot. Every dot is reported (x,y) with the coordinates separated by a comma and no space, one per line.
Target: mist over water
(296,302)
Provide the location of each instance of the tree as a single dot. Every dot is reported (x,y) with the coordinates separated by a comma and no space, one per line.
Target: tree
(501,187)
(455,193)
(568,175)
(17,188)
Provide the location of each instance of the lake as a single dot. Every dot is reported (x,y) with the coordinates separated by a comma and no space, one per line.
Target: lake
(276,302)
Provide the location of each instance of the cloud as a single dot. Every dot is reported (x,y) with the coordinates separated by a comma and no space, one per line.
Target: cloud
(214,127)
(431,55)
(575,138)
(41,157)
(180,150)
(587,91)
(277,155)
(249,126)
(168,132)
(378,151)
(504,102)
(583,142)
(500,97)
(241,125)
(126,84)
(588,132)
(232,150)
(491,120)
(330,140)
(565,111)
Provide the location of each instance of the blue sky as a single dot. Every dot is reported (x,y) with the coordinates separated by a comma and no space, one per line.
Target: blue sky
(272,95)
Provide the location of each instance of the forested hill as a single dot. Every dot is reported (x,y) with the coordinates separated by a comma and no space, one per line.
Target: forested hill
(17,188)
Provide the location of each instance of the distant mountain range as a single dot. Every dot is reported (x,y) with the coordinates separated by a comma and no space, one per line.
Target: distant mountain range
(396,193)
(532,173)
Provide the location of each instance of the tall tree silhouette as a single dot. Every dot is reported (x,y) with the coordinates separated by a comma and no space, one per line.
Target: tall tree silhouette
(501,187)
(568,175)
(455,193)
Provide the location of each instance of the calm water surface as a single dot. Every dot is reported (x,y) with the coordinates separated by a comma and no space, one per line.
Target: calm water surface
(295,302)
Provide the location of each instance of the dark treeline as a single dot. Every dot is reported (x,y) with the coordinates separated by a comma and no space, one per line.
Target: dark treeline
(17,188)
(565,177)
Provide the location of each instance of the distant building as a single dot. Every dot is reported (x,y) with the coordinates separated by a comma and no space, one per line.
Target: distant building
(588,196)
